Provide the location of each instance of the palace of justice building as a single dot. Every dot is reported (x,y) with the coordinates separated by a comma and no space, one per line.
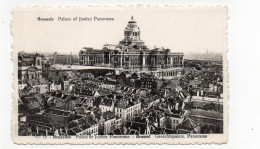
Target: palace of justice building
(133,55)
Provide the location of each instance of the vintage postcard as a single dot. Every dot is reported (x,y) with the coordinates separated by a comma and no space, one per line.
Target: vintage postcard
(120,75)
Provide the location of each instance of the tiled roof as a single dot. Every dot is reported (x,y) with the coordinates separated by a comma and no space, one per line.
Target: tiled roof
(108,115)
(58,112)
(121,104)
(33,105)
(188,124)
(76,130)
(204,113)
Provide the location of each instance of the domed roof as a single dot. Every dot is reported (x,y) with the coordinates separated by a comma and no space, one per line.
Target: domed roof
(131,34)
(132,20)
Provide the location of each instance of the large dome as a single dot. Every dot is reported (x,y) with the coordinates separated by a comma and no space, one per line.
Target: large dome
(131,34)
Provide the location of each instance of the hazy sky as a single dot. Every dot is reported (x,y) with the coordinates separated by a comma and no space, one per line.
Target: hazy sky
(180,29)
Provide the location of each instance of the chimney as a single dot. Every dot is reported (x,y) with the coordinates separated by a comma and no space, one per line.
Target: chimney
(66,131)
(46,131)
(183,105)
(113,106)
(158,119)
(177,106)
(169,107)
(198,93)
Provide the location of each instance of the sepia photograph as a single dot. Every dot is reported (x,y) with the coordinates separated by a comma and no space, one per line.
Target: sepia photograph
(88,75)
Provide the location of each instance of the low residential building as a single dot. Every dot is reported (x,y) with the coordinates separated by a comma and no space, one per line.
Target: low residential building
(66,86)
(108,86)
(83,126)
(188,126)
(21,86)
(148,82)
(44,88)
(125,109)
(108,122)
(57,117)
(107,105)
(121,106)
(29,66)
(41,128)
(210,121)
(55,87)
(33,105)
(172,120)
(149,101)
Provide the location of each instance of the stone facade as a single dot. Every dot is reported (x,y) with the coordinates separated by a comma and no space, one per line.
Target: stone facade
(131,53)
(29,66)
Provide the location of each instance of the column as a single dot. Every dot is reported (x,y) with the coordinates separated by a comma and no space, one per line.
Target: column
(179,61)
(182,62)
(143,61)
(109,62)
(103,60)
(121,60)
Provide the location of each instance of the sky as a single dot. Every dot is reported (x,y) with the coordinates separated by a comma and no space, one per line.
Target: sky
(181,29)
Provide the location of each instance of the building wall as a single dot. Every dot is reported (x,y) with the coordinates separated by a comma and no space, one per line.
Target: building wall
(105,108)
(93,130)
(128,112)
(131,60)
(63,59)
(42,88)
(55,87)
(55,119)
(173,121)
(108,86)
(21,86)
(25,72)
(131,53)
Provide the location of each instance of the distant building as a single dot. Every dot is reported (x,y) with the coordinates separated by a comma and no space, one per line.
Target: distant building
(148,82)
(29,66)
(131,53)
(202,63)
(109,84)
(64,59)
